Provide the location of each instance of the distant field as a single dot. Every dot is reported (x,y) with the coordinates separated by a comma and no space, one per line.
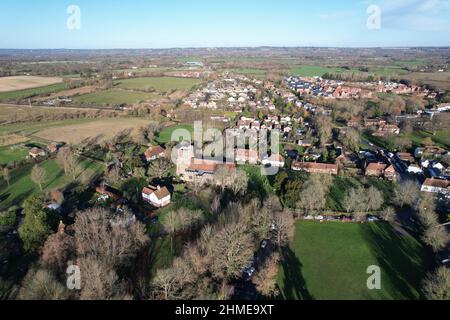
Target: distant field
(160,84)
(22,186)
(69,93)
(28,93)
(77,132)
(330,260)
(25,82)
(115,96)
(316,71)
(144,70)
(250,71)
(7,111)
(439,79)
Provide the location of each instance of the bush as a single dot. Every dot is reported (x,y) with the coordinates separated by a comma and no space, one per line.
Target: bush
(8,218)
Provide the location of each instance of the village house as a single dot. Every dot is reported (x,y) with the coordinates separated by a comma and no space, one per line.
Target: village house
(317,168)
(203,171)
(36,152)
(247,156)
(429,152)
(154,152)
(387,129)
(156,196)
(274,160)
(375,169)
(390,173)
(436,186)
(54,147)
(406,157)
(107,193)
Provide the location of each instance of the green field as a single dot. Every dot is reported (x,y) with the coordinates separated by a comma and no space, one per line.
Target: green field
(249,71)
(166,134)
(12,153)
(28,93)
(22,186)
(329,261)
(159,84)
(317,71)
(115,96)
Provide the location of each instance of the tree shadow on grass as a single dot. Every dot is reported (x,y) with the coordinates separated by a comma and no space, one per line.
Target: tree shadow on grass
(294,284)
(404,263)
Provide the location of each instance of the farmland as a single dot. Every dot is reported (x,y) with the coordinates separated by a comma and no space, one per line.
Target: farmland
(28,93)
(159,84)
(26,82)
(346,251)
(115,96)
(78,131)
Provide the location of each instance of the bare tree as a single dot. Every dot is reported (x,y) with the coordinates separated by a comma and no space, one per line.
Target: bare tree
(388,214)
(284,222)
(159,168)
(373,199)
(38,176)
(229,250)
(406,193)
(99,281)
(266,279)
(436,237)
(426,211)
(115,240)
(7,175)
(437,285)
(56,251)
(42,285)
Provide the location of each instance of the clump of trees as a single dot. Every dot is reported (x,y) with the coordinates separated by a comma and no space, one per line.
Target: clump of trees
(208,266)
(102,245)
(361,201)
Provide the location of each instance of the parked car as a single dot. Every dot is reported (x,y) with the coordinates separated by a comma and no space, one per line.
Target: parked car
(319,218)
(264,244)
(373,219)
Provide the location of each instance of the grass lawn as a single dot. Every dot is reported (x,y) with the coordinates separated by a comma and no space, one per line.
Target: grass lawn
(115,96)
(166,134)
(12,153)
(160,84)
(27,93)
(22,186)
(330,260)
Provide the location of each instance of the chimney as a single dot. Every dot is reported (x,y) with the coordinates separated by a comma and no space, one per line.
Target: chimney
(61,227)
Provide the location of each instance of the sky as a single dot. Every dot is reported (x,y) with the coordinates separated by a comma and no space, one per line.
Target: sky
(113,24)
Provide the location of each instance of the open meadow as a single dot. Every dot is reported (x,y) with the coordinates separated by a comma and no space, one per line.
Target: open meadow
(21,185)
(330,261)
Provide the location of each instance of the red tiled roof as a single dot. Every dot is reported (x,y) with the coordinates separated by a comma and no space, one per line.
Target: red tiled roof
(376,167)
(444,184)
(154,151)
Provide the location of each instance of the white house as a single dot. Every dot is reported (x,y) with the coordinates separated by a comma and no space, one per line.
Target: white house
(154,152)
(436,186)
(274,160)
(157,196)
(414,169)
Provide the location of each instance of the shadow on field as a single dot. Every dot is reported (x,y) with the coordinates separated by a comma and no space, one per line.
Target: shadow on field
(402,260)
(294,284)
